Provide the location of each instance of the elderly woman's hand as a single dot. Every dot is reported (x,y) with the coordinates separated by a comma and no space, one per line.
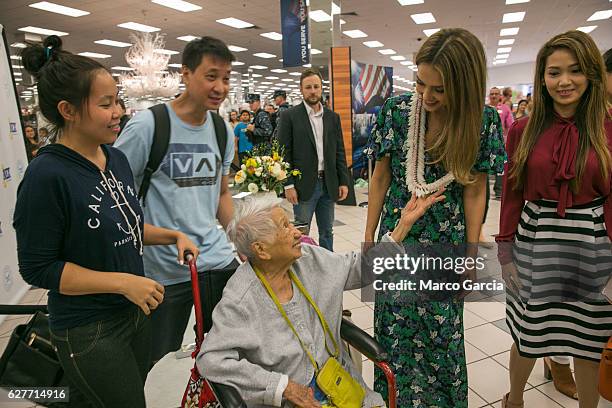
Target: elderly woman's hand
(300,395)
(414,210)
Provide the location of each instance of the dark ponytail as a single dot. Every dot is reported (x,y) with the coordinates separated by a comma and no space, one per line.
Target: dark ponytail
(60,76)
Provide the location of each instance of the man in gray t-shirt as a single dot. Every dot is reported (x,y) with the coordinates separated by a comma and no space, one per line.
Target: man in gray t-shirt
(189,192)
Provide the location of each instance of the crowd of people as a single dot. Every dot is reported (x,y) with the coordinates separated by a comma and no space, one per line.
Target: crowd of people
(118,307)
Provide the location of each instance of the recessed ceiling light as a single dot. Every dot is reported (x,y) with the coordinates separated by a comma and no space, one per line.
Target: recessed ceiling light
(234,22)
(373,44)
(295,73)
(264,55)
(179,5)
(586,29)
(18,45)
(118,68)
(398,58)
(387,51)
(509,41)
(15,57)
(508,31)
(502,56)
(42,31)
(601,15)
(431,31)
(268,83)
(501,61)
(273,36)
(278,71)
(256,75)
(166,52)
(410,2)
(235,48)
(423,18)
(516,1)
(138,27)
(175,65)
(504,50)
(237,63)
(406,62)
(112,43)
(17,66)
(258,67)
(287,80)
(56,8)
(314,51)
(307,66)
(513,17)
(319,16)
(94,55)
(187,38)
(17,73)
(355,33)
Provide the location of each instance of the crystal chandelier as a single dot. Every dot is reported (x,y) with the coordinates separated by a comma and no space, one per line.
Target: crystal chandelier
(150,77)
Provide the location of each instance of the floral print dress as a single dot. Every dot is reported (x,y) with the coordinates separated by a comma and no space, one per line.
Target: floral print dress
(425,339)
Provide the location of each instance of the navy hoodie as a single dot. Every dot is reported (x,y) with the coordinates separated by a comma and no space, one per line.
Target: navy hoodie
(69,211)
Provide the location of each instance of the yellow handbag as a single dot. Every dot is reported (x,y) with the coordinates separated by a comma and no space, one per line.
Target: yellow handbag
(337,383)
(339,386)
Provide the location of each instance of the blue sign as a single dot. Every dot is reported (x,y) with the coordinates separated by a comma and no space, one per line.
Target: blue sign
(294,25)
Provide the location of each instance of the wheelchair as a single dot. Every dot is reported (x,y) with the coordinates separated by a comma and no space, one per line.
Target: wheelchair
(229,397)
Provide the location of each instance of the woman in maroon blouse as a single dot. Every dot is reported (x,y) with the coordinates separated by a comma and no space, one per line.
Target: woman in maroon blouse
(556,218)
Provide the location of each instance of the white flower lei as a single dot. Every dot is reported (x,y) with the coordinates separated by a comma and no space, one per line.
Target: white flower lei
(414,147)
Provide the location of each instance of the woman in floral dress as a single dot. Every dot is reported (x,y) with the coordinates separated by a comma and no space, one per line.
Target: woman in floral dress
(441,136)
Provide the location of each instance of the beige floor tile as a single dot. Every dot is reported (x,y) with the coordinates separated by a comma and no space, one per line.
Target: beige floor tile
(471,320)
(537,374)
(368,373)
(474,400)
(8,326)
(488,379)
(535,399)
(489,339)
(472,354)
(350,301)
(363,317)
(489,311)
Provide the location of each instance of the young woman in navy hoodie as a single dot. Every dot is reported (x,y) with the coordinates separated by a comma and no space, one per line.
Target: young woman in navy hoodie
(80,232)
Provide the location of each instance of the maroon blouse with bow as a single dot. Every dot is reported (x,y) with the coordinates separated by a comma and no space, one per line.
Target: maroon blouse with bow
(550,167)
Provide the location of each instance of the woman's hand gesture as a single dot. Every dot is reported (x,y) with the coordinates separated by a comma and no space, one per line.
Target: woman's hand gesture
(143,292)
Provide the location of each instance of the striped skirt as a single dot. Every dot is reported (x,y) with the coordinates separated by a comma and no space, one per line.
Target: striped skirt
(563,264)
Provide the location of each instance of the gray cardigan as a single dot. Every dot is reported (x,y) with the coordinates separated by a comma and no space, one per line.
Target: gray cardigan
(250,345)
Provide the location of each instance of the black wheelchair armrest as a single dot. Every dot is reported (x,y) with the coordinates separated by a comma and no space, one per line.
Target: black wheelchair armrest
(362,341)
(227,395)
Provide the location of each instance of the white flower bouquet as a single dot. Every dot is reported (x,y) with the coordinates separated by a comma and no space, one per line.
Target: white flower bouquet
(265,170)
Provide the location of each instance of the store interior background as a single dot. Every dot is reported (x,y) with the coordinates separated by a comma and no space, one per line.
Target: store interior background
(511,49)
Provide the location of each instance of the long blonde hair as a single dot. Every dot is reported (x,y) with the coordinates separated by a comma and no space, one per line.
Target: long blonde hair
(460,59)
(590,114)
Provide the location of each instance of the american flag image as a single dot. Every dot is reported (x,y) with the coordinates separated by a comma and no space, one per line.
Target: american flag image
(374,81)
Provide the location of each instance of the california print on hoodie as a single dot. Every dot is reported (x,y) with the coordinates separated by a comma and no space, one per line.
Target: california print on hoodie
(68,210)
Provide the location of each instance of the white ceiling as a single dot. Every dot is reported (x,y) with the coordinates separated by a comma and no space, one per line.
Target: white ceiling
(383,20)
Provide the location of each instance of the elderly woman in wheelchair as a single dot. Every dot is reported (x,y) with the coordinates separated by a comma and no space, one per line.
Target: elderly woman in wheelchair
(276,331)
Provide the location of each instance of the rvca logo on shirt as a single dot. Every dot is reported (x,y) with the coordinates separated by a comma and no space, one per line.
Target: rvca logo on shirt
(190,165)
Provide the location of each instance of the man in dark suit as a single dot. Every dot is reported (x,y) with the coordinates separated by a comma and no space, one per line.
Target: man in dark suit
(312,137)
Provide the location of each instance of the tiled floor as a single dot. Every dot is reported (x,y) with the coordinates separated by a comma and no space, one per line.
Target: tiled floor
(486,339)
